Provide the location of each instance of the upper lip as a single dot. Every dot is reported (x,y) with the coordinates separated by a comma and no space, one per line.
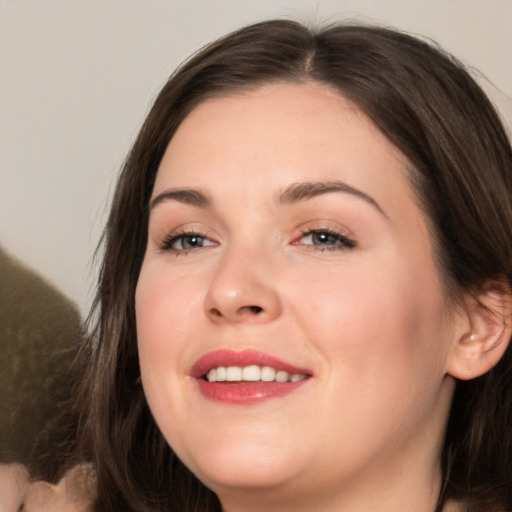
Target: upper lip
(242,358)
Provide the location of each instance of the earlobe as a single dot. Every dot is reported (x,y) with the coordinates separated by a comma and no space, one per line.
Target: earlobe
(483,343)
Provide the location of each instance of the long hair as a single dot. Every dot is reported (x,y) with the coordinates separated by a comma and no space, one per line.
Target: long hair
(460,160)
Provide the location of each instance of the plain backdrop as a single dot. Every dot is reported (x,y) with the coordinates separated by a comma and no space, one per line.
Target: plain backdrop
(77,78)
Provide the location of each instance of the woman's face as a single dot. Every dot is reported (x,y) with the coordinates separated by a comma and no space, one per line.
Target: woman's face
(288,263)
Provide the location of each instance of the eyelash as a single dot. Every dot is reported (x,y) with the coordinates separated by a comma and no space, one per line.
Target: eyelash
(167,243)
(341,242)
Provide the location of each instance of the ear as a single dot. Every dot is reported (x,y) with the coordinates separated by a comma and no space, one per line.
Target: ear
(485,333)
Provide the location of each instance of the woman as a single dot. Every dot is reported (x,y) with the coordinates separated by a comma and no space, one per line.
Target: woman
(305,301)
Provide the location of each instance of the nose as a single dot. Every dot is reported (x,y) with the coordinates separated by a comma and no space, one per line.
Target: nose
(242,290)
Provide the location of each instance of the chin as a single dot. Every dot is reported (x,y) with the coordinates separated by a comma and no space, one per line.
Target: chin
(244,477)
(246,466)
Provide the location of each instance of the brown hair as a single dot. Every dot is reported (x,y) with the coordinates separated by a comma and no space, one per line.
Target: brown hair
(461,165)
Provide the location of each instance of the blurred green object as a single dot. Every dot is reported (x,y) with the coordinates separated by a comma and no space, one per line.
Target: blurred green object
(40,330)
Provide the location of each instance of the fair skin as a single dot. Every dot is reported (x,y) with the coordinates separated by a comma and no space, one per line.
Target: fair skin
(337,280)
(13,486)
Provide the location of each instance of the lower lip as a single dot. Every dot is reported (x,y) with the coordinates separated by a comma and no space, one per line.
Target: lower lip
(246,393)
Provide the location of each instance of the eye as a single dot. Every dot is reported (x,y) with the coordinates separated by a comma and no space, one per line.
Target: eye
(185,242)
(325,240)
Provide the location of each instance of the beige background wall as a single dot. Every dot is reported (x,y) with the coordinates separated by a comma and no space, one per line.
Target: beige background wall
(77,77)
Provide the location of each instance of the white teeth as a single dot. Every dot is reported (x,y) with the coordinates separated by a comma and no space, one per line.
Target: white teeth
(282,376)
(268,374)
(233,373)
(251,373)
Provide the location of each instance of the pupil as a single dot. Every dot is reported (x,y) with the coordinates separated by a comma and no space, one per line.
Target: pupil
(324,238)
(192,241)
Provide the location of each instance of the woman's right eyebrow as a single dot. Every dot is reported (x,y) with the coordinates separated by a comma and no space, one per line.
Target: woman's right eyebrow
(189,196)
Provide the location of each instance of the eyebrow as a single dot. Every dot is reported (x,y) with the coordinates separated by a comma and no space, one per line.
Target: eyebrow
(189,196)
(303,191)
(294,193)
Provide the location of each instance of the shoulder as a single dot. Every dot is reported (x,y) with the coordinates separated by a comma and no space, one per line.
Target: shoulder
(73,493)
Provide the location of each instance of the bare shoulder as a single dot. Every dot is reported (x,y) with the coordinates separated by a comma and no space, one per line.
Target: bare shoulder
(74,493)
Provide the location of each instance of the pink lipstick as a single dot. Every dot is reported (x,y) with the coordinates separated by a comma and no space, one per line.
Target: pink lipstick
(246,377)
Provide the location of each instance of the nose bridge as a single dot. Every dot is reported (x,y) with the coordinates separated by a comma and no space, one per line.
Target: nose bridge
(242,288)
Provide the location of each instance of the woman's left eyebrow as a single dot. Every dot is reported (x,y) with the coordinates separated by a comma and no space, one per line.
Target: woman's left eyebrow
(309,189)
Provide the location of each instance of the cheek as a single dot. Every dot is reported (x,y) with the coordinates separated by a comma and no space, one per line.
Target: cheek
(379,321)
(378,330)
(166,307)
(166,312)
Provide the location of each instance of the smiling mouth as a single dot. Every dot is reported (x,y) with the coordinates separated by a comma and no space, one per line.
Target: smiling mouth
(246,377)
(252,373)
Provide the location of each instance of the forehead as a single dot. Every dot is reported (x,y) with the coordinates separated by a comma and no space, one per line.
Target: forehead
(278,134)
(282,115)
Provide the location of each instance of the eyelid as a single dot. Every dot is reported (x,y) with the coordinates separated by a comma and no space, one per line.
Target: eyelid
(164,241)
(345,236)
(323,225)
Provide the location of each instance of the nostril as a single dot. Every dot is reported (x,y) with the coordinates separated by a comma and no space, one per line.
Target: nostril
(244,312)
